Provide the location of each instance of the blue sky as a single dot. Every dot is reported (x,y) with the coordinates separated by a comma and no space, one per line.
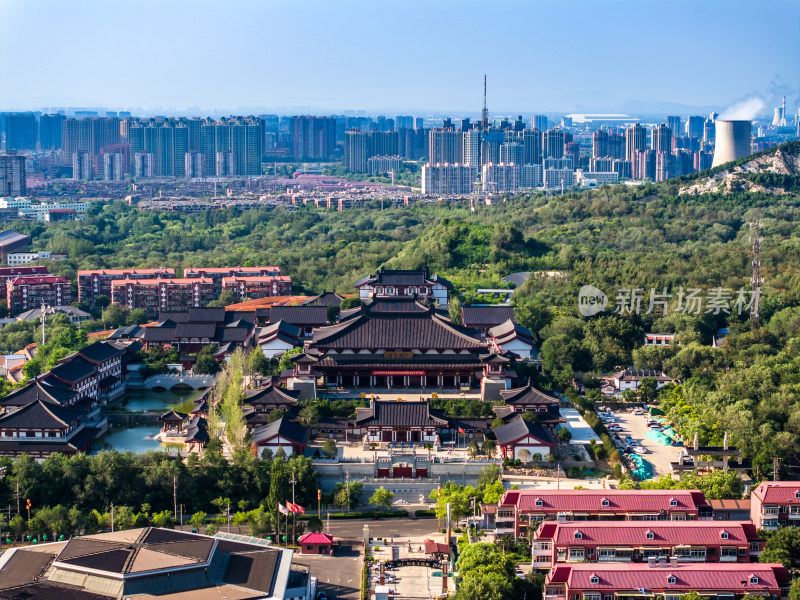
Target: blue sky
(397,57)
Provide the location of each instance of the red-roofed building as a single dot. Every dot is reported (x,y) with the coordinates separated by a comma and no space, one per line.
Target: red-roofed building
(316,543)
(9,273)
(253,288)
(518,508)
(775,503)
(217,274)
(94,283)
(665,579)
(162,295)
(25,293)
(637,541)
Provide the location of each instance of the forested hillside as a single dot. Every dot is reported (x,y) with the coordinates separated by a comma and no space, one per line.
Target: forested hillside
(617,237)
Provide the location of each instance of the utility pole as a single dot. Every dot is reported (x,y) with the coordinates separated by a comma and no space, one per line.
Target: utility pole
(347,487)
(44,318)
(17,496)
(776,469)
(756,280)
(112,517)
(228,514)
(175,496)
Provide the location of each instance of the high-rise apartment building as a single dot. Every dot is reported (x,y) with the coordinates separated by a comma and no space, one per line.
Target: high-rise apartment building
(313,137)
(112,166)
(511,153)
(445,146)
(532,146)
(356,144)
(89,134)
(448,179)
(694,126)
(167,140)
(12,175)
(194,164)
(472,147)
(599,144)
(51,132)
(661,139)
(143,165)
(553,143)
(539,122)
(635,140)
(500,177)
(81,165)
(674,123)
(225,164)
(21,131)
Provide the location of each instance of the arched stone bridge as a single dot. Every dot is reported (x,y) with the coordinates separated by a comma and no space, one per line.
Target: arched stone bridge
(173,381)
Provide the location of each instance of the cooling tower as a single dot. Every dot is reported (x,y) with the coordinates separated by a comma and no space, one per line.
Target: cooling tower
(732,141)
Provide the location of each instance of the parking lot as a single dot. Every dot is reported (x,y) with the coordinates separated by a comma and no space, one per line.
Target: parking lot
(656,454)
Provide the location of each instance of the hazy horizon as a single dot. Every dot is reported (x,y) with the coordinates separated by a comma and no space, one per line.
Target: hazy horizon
(412,58)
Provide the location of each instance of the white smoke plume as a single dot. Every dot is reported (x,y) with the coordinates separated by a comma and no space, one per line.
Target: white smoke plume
(746,110)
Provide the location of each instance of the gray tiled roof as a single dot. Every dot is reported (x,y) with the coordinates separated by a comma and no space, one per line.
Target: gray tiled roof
(518,428)
(398,414)
(486,316)
(390,331)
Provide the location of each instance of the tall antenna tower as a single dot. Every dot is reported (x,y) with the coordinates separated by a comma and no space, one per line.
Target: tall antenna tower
(485,111)
(756,281)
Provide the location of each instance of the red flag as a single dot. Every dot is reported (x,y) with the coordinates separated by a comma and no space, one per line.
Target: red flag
(461,430)
(299,509)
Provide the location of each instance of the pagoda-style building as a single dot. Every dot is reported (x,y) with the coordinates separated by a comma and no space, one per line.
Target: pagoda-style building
(397,343)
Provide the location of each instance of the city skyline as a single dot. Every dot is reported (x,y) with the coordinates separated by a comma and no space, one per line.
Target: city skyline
(410,58)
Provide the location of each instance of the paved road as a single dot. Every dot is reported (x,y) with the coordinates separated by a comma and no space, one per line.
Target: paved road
(353,529)
(658,455)
(338,576)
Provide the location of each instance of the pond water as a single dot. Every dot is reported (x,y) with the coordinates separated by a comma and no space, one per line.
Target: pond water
(141,437)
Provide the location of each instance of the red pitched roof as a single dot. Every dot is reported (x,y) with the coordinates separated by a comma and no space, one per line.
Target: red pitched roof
(688,577)
(702,533)
(316,538)
(778,492)
(592,500)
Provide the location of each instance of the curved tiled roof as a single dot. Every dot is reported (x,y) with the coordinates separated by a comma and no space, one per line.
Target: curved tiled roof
(40,415)
(527,395)
(393,330)
(398,414)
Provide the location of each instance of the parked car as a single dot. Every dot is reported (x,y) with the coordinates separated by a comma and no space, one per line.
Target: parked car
(520,573)
(640,450)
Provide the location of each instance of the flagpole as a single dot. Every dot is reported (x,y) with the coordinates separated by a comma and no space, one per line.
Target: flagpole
(294,509)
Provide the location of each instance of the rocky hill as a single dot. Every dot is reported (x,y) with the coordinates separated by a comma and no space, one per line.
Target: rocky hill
(775,171)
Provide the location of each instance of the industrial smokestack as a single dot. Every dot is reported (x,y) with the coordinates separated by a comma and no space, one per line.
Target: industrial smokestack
(732,141)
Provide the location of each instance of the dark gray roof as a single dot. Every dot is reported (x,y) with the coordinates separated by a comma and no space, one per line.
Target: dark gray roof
(409,330)
(232,334)
(284,428)
(256,570)
(402,277)
(40,415)
(518,428)
(196,330)
(419,361)
(158,334)
(57,394)
(527,395)
(517,278)
(325,299)
(240,315)
(173,415)
(126,332)
(398,414)
(486,316)
(511,329)
(175,316)
(285,331)
(74,369)
(208,314)
(270,395)
(100,351)
(24,567)
(302,316)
